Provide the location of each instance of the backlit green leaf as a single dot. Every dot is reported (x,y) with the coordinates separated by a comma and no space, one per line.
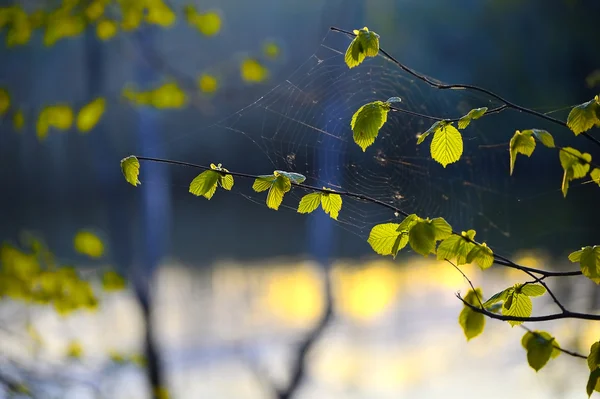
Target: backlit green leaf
(280,186)
(294,177)
(434,128)
(593,359)
(593,383)
(226,181)
(543,136)
(332,204)
(382,238)
(408,222)
(575,165)
(455,247)
(425,233)
(367,121)
(472,115)
(447,145)
(482,255)
(498,297)
(533,289)
(584,116)
(595,175)
(309,203)
(540,347)
(472,322)
(518,305)
(130,167)
(205,184)
(589,261)
(263,183)
(365,44)
(521,143)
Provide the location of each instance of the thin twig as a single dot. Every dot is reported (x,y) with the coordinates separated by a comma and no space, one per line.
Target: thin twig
(442,86)
(498,259)
(568,352)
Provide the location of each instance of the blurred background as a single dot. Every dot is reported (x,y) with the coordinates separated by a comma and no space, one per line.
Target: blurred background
(226,298)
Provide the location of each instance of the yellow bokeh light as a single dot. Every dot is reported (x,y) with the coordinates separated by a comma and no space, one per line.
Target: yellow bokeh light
(271,50)
(207,83)
(106,29)
(295,295)
(19,120)
(253,71)
(88,243)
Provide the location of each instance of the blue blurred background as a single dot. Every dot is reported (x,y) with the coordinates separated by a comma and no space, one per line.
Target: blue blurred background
(232,279)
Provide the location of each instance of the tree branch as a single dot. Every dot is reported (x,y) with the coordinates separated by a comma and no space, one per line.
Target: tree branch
(442,86)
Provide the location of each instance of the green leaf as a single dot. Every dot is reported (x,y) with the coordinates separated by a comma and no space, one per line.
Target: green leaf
(532,289)
(424,234)
(472,322)
(383,237)
(543,136)
(365,44)
(593,359)
(130,167)
(205,184)
(593,383)
(498,297)
(408,222)
(455,247)
(447,145)
(263,183)
(518,305)
(589,261)
(367,121)
(540,347)
(296,178)
(575,165)
(584,116)
(226,181)
(521,143)
(472,115)
(434,128)
(595,175)
(279,187)
(332,204)
(309,203)
(482,255)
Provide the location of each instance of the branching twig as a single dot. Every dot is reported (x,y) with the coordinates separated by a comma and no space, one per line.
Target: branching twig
(498,259)
(442,86)
(568,352)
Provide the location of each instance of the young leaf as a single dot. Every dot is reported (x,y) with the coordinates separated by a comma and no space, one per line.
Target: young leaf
(472,115)
(543,136)
(575,165)
(482,255)
(332,204)
(584,116)
(130,167)
(90,114)
(263,183)
(455,247)
(593,383)
(589,261)
(385,239)
(365,44)
(294,177)
(408,223)
(279,187)
(309,202)
(434,128)
(593,359)
(393,100)
(521,143)
(595,175)
(518,305)
(472,322)
(498,297)
(367,121)
(540,347)
(447,145)
(424,234)
(532,289)
(205,184)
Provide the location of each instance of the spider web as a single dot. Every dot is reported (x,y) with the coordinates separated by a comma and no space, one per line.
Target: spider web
(303,125)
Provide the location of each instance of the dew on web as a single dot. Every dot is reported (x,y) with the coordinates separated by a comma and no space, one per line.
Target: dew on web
(303,125)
